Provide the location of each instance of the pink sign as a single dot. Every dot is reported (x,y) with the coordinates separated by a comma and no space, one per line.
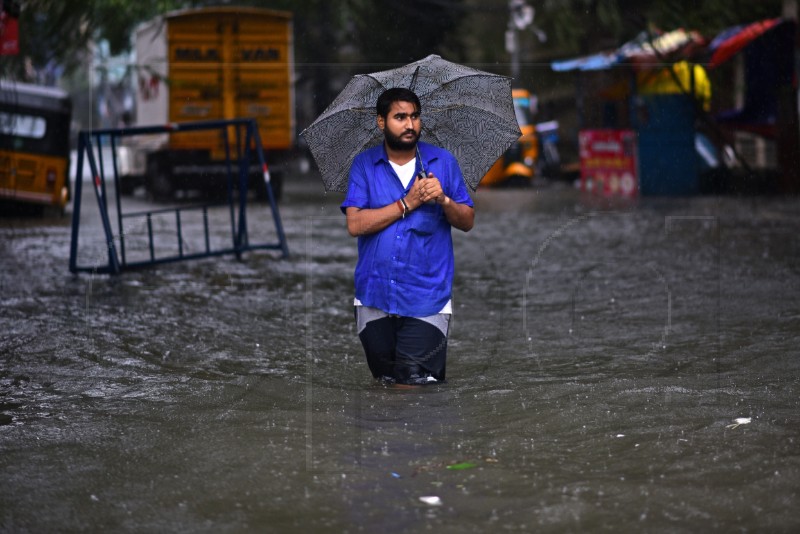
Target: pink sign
(609,164)
(9,35)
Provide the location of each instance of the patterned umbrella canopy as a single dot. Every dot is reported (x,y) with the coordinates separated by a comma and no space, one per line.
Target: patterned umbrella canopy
(467,111)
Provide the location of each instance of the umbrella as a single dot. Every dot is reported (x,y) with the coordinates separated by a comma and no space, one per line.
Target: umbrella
(467,111)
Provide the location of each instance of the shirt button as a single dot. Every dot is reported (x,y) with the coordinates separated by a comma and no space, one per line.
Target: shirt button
(393,281)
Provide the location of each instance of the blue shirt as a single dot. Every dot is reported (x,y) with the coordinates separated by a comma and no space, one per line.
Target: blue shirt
(407,268)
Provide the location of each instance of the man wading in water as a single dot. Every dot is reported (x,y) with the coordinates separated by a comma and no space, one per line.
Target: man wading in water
(403,197)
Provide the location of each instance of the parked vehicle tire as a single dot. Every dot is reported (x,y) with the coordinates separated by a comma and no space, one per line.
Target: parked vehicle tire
(127,185)
(158,182)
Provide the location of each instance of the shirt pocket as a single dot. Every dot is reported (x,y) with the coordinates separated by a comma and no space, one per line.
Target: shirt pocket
(426,219)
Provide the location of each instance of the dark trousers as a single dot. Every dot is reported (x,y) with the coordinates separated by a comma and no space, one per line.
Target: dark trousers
(402,348)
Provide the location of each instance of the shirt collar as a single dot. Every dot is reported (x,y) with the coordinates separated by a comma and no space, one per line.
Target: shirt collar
(426,152)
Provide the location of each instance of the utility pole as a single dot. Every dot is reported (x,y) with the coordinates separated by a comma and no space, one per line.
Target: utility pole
(520,17)
(788,123)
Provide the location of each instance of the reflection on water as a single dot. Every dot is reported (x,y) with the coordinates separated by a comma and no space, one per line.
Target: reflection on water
(600,353)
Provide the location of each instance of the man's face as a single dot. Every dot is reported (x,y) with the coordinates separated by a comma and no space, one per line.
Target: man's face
(402,126)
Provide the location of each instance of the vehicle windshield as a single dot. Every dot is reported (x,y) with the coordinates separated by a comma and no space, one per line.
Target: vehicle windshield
(22,125)
(522,109)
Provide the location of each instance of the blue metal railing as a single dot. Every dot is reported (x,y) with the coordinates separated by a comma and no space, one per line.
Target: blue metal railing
(89,151)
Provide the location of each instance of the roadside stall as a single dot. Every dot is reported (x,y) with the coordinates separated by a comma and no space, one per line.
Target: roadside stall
(650,127)
(638,131)
(760,123)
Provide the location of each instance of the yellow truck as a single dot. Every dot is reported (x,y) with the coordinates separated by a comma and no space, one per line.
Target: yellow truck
(209,64)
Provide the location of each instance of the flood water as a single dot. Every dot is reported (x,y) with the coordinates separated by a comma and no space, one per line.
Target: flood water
(600,356)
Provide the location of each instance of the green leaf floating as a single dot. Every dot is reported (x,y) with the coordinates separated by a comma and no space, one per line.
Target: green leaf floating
(460,466)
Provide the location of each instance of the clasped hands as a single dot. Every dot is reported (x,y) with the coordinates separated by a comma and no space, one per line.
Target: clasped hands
(425,190)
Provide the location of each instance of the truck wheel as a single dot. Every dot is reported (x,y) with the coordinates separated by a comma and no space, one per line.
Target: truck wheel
(126,185)
(159,184)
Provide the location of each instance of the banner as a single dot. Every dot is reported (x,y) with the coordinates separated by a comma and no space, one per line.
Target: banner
(9,35)
(609,163)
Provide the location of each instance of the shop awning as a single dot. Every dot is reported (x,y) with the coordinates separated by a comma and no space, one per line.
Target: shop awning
(732,40)
(640,49)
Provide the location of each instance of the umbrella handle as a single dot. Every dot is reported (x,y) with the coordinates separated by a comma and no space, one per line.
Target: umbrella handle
(423,175)
(414,79)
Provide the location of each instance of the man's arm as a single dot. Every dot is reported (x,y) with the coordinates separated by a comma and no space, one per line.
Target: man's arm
(458,215)
(365,221)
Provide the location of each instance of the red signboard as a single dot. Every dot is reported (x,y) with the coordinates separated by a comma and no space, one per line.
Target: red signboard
(9,35)
(609,163)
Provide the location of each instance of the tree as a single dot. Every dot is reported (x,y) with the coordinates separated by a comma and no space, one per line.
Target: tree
(51,31)
(55,32)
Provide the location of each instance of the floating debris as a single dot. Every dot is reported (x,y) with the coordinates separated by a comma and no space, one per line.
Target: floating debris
(431,500)
(739,421)
(458,466)
(461,465)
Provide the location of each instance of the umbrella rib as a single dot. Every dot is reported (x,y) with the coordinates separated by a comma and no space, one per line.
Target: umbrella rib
(448,108)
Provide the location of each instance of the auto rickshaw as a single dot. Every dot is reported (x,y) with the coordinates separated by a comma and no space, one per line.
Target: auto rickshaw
(517,166)
(34,144)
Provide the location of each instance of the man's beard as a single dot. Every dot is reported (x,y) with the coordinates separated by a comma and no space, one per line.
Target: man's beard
(397,143)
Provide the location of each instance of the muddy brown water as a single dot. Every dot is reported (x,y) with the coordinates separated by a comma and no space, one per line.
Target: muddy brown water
(600,357)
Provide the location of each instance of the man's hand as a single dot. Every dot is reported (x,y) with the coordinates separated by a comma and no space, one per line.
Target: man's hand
(459,216)
(427,189)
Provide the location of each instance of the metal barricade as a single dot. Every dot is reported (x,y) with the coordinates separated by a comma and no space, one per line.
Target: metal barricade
(247,139)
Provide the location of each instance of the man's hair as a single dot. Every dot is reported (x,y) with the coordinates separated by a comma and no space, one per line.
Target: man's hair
(396,94)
